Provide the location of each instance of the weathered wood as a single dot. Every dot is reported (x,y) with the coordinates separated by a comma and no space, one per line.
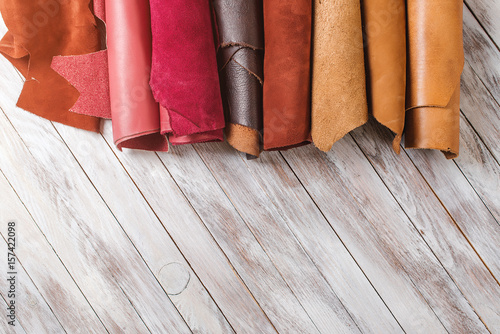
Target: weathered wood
(284,191)
(183,224)
(256,221)
(433,222)
(487,12)
(77,222)
(154,244)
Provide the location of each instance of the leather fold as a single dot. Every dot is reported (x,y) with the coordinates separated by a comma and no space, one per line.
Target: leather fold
(339,102)
(287,70)
(38,31)
(385,57)
(240,59)
(436,60)
(135,113)
(184,76)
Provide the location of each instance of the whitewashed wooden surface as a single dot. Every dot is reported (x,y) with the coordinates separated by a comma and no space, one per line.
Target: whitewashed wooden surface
(201,240)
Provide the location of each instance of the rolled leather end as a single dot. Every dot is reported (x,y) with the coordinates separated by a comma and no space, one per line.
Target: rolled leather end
(385,39)
(433,92)
(184,76)
(240,57)
(135,113)
(38,31)
(287,31)
(339,102)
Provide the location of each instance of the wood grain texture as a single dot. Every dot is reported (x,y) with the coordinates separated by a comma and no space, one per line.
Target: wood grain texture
(487,12)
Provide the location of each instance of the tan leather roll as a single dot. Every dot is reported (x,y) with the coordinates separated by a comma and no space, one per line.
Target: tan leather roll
(338,83)
(384,24)
(436,60)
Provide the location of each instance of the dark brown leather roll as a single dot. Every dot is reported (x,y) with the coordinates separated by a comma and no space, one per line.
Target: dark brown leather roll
(436,60)
(240,57)
(287,69)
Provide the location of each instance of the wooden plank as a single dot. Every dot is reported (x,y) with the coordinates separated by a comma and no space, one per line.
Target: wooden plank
(256,222)
(194,240)
(5,327)
(487,12)
(149,236)
(77,222)
(482,55)
(309,227)
(433,222)
(481,110)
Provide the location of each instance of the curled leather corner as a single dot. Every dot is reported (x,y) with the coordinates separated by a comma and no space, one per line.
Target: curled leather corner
(240,60)
(433,93)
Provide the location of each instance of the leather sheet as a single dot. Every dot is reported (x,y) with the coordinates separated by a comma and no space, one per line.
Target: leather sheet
(384,24)
(436,60)
(135,113)
(184,75)
(287,70)
(240,57)
(38,31)
(339,102)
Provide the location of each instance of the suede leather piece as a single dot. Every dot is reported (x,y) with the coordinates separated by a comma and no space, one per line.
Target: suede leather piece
(436,60)
(286,97)
(135,113)
(38,31)
(240,57)
(339,102)
(384,24)
(184,75)
(89,73)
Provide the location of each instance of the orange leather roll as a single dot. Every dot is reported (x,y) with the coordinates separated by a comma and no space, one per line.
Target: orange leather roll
(338,83)
(38,31)
(384,24)
(436,60)
(287,35)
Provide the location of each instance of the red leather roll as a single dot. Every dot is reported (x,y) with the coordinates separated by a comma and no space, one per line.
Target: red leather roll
(38,31)
(287,35)
(135,113)
(184,76)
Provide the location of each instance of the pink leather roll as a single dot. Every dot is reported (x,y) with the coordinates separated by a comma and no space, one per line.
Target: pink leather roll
(184,75)
(135,113)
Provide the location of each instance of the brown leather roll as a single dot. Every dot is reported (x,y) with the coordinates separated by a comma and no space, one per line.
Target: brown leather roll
(38,31)
(240,57)
(436,60)
(338,85)
(287,32)
(384,24)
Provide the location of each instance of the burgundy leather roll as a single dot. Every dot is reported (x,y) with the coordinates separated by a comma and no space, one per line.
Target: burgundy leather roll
(287,34)
(38,31)
(436,60)
(135,113)
(385,36)
(240,57)
(184,75)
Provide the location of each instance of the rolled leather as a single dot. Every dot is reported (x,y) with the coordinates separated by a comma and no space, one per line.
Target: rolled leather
(286,97)
(184,76)
(385,46)
(38,31)
(339,102)
(436,60)
(240,57)
(135,113)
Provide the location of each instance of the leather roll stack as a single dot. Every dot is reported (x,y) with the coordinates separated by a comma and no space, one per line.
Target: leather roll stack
(385,33)
(135,113)
(338,88)
(287,70)
(436,61)
(184,75)
(38,31)
(240,57)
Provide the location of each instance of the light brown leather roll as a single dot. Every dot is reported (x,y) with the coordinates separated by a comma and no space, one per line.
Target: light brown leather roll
(436,60)
(338,82)
(384,24)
